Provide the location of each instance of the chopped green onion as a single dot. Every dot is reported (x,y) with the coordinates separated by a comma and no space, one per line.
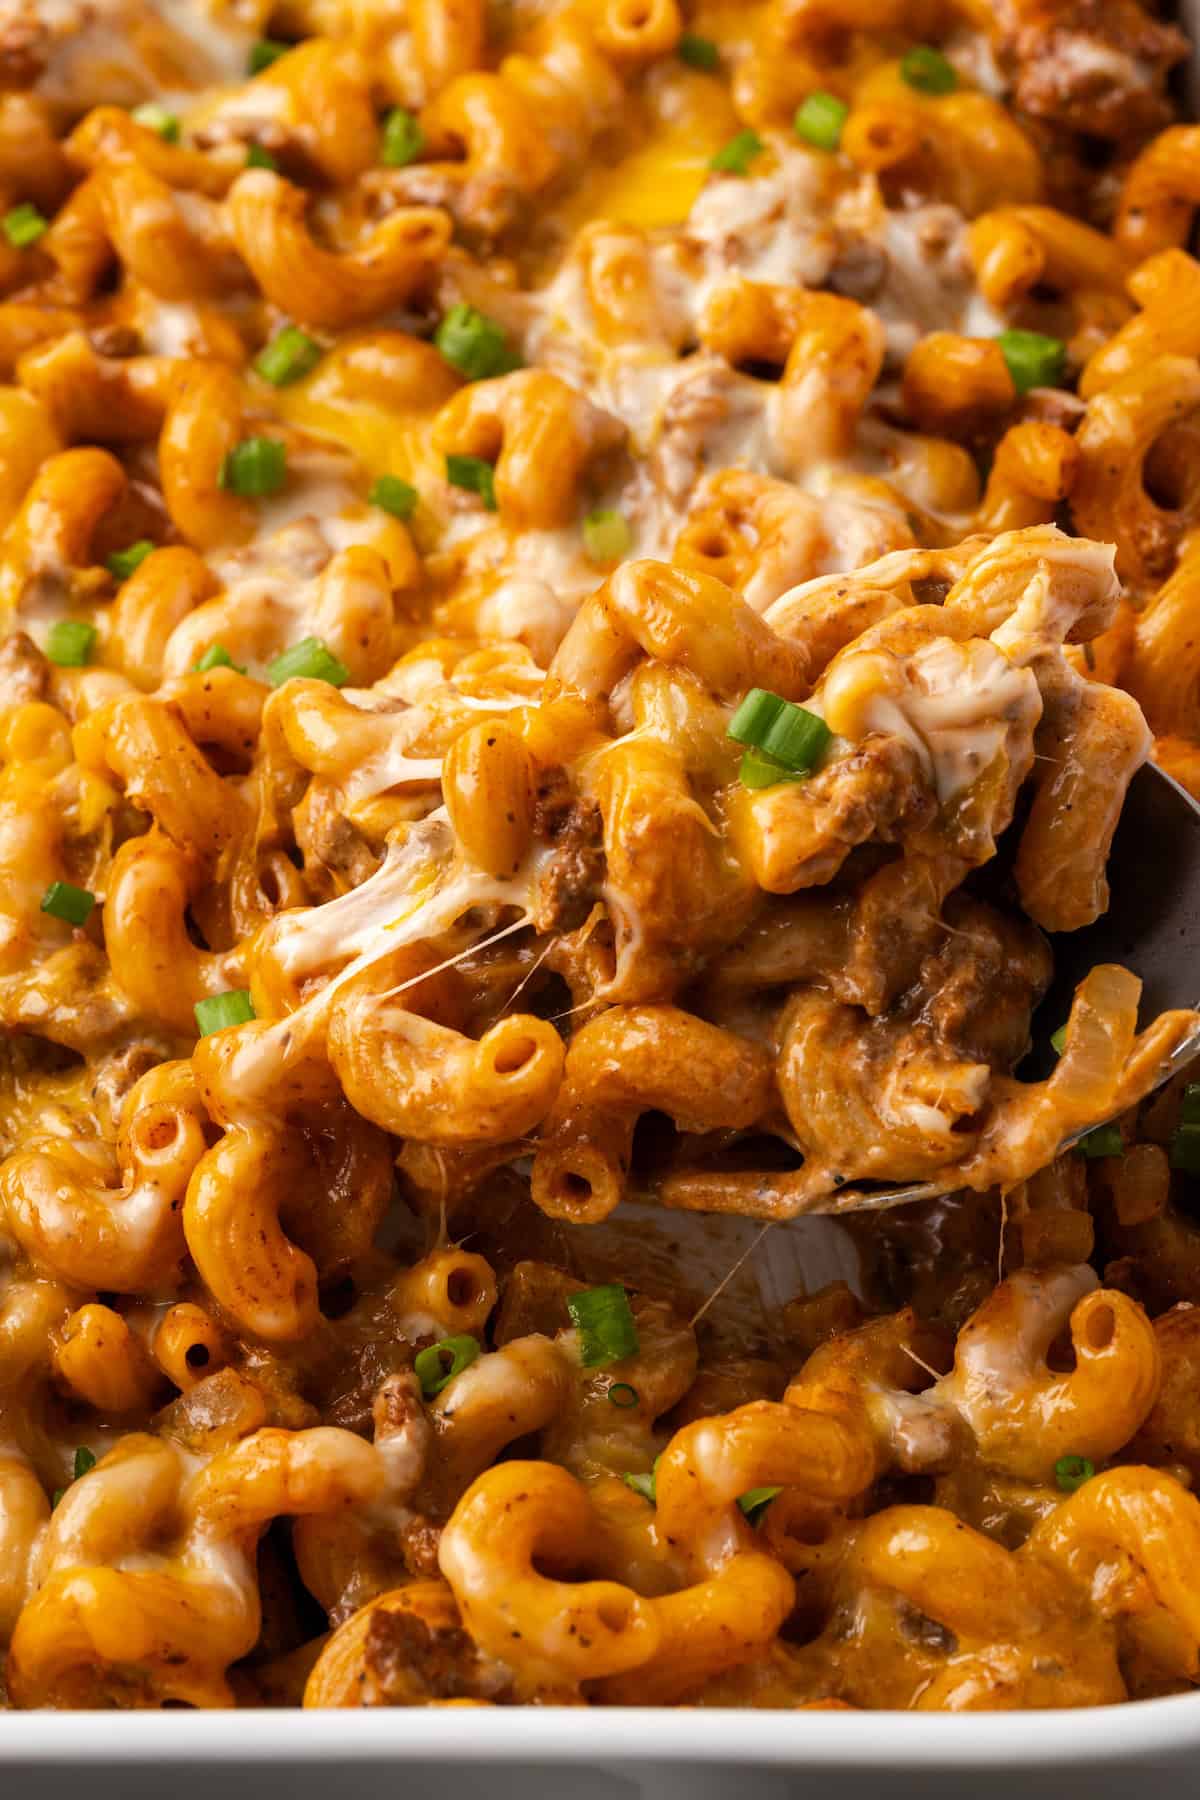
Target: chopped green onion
(1058,1040)
(60,1494)
(477,476)
(755,1502)
(122,563)
(820,119)
(1033,359)
(758,771)
(643,1485)
(216,657)
(265,52)
(1189,1106)
(258,158)
(1184,1153)
(394,496)
(290,355)
(927,70)
(255,468)
(1105,1140)
(606,536)
(782,732)
(222,1010)
(735,157)
(605,1323)
(309,660)
(24,225)
(798,739)
(69,643)
(698,52)
(474,344)
(440,1363)
(754,717)
(156,118)
(1070,1472)
(623,1396)
(403,139)
(62,900)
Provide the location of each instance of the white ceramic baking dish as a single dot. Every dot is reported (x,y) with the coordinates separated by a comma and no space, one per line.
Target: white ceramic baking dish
(566,1754)
(653,1754)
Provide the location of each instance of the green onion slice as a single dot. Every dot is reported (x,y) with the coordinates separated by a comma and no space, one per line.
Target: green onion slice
(606,536)
(784,733)
(1105,1140)
(403,139)
(798,739)
(394,496)
(222,1010)
(440,1363)
(1058,1040)
(698,52)
(156,118)
(255,468)
(63,900)
(24,225)
(475,475)
(758,771)
(474,345)
(69,643)
(258,158)
(927,70)
(1033,359)
(1070,1472)
(754,717)
(290,355)
(643,1485)
(310,660)
(604,1320)
(623,1395)
(735,157)
(755,1502)
(122,563)
(819,120)
(265,52)
(85,1462)
(216,657)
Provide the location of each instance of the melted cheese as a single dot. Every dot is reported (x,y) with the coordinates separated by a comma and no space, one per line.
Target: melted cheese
(653,186)
(992,1365)
(420,892)
(384,440)
(955,704)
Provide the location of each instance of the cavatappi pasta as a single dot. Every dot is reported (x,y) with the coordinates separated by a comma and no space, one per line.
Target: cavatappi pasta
(542,549)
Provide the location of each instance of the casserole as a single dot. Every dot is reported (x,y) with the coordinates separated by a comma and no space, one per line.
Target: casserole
(765,1730)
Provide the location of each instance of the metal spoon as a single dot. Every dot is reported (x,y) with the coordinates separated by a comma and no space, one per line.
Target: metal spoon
(1152,927)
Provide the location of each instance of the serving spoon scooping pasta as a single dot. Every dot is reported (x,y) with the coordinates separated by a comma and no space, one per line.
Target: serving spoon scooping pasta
(1151,927)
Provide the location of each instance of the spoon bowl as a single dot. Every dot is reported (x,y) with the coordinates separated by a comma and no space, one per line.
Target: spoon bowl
(1151,927)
